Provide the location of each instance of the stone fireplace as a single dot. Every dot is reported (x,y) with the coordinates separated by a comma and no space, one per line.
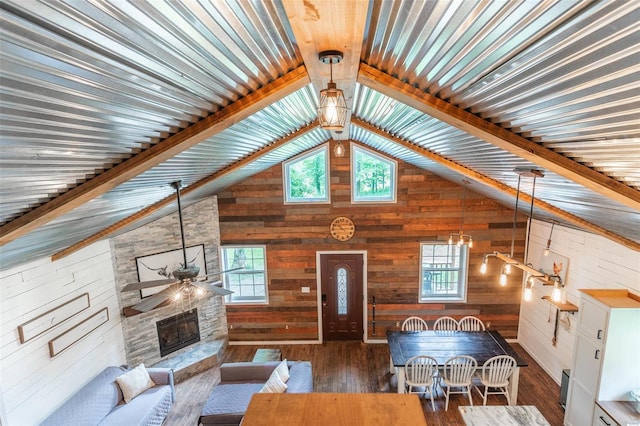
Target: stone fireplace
(141,332)
(178,331)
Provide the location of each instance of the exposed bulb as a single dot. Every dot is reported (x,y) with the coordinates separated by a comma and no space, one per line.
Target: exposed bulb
(460,242)
(528,294)
(556,295)
(338,150)
(470,242)
(177,296)
(450,240)
(507,268)
(546,251)
(503,279)
(483,268)
(199,292)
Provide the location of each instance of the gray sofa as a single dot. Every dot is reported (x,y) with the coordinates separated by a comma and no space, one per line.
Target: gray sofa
(229,400)
(100,402)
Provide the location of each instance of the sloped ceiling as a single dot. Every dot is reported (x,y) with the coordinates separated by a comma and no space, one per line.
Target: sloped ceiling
(105,103)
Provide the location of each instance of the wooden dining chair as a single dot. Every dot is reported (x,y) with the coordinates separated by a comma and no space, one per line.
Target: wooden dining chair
(495,374)
(445,323)
(471,323)
(420,373)
(414,324)
(457,376)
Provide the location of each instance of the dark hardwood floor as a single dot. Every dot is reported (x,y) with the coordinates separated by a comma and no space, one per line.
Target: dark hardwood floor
(360,367)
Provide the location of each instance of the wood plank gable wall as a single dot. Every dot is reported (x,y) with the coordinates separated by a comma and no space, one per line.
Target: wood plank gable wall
(427,208)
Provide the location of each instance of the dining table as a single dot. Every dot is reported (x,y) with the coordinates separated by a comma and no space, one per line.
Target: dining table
(442,345)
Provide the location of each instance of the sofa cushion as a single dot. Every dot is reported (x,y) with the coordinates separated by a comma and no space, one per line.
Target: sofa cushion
(282,370)
(227,403)
(149,408)
(300,377)
(134,382)
(274,384)
(91,403)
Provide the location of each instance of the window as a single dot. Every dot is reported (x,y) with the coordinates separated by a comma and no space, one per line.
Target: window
(443,276)
(250,283)
(306,177)
(373,177)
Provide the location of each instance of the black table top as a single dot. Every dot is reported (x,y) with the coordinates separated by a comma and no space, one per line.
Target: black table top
(443,345)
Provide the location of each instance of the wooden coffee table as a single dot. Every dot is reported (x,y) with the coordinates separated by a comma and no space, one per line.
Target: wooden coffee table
(332,409)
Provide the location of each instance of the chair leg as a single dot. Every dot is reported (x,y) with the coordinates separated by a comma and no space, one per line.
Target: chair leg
(469,395)
(446,393)
(433,405)
(484,395)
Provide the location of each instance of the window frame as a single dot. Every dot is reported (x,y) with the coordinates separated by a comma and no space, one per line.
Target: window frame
(355,198)
(230,299)
(286,180)
(463,275)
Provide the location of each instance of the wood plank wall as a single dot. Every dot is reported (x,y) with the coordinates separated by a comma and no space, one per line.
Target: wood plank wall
(428,208)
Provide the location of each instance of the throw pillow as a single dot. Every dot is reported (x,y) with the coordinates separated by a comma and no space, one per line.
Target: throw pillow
(274,384)
(283,370)
(134,382)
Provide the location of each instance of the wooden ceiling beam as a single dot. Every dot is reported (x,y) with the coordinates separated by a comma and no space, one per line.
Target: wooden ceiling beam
(156,154)
(498,186)
(498,136)
(184,191)
(330,25)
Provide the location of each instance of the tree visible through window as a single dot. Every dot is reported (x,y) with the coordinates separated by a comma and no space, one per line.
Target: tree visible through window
(249,284)
(443,272)
(373,176)
(306,178)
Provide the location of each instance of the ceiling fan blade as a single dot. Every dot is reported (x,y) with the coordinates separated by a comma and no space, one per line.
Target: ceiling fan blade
(153,301)
(219,290)
(205,277)
(148,284)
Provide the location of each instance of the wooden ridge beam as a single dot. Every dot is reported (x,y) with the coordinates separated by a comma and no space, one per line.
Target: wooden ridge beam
(499,186)
(498,136)
(156,154)
(184,191)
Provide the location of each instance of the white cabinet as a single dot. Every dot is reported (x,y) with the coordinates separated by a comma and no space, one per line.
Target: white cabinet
(606,353)
(600,418)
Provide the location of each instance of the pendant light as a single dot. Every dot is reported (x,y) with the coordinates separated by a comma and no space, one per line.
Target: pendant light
(332,112)
(461,237)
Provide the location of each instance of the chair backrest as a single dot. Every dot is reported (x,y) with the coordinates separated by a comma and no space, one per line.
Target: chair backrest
(420,369)
(445,323)
(414,324)
(458,370)
(471,323)
(496,371)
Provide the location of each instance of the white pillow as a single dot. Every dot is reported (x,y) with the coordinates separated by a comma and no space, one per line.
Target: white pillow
(283,370)
(274,384)
(134,382)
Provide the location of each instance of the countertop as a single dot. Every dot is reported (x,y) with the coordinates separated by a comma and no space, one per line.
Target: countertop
(623,412)
(502,415)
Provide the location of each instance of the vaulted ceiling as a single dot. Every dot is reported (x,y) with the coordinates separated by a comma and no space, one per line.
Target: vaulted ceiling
(105,103)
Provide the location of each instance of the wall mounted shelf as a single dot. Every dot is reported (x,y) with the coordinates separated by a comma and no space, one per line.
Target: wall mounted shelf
(562,307)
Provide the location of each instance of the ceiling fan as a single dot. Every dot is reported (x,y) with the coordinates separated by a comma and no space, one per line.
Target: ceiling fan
(186,283)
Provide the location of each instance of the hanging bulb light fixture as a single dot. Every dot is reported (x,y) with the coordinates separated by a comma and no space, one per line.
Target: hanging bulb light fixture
(461,237)
(332,112)
(546,250)
(508,260)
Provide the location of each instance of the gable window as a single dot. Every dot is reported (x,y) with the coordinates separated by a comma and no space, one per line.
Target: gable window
(373,177)
(443,272)
(249,284)
(306,177)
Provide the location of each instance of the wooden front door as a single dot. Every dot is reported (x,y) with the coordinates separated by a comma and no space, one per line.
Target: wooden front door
(341,296)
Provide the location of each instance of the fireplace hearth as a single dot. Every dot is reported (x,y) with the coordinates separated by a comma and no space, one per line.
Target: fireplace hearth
(178,332)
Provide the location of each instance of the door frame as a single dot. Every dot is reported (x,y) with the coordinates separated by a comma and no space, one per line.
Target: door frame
(365,323)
